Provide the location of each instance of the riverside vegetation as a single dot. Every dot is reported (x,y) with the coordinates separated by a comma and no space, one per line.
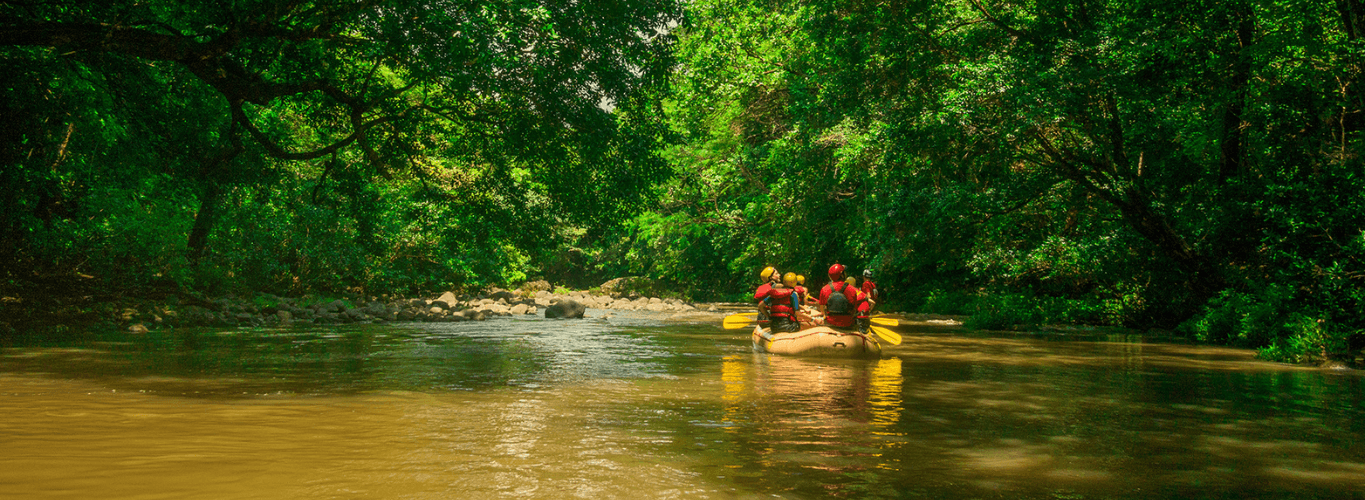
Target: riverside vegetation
(1185,166)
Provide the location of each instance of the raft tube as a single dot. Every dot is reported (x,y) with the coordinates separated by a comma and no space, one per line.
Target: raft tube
(818,341)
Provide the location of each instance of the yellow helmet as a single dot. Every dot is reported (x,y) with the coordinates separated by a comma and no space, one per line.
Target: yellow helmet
(851,281)
(789,279)
(800,280)
(767,273)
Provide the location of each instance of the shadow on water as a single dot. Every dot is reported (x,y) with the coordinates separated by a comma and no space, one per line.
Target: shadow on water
(980,416)
(639,407)
(521,352)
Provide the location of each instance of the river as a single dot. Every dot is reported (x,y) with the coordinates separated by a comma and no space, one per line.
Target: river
(639,407)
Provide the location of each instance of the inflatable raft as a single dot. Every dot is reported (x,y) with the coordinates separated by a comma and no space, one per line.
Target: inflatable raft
(818,341)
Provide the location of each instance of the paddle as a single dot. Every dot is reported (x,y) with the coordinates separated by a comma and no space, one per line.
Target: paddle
(889,336)
(741,320)
(737,321)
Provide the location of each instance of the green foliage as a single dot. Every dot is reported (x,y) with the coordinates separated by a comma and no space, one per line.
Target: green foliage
(1141,163)
(947,302)
(1006,310)
(335,146)
(1112,163)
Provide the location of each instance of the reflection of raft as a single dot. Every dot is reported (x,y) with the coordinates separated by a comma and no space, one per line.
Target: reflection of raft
(819,341)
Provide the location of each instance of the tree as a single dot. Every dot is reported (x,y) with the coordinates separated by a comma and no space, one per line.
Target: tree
(232,93)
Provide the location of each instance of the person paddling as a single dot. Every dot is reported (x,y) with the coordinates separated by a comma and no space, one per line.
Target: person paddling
(870,288)
(863,305)
(769,276)
(838,301)
(806,298)
(781,304)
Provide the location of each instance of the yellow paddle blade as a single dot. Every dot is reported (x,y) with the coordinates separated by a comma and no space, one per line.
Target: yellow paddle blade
(889,336)
(885,321)
(737,321)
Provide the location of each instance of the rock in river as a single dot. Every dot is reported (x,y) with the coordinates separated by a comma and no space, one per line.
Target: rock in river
(567,308)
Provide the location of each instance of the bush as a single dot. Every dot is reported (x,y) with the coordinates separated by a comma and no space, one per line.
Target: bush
(1018,310)
(947,302)
(1242,319)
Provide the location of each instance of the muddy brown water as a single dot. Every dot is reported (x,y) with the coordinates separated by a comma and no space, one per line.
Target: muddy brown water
(636,406)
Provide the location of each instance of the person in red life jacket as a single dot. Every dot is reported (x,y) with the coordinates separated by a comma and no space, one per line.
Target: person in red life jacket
(808,304)
(838,301)
(863,306)
(781,303)
(870,288)
(770,277)
(806,298)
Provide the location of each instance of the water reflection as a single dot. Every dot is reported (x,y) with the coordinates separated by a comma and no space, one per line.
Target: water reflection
(639,408)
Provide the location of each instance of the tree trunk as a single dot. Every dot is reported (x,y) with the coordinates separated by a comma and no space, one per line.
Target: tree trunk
(1205,280)
(211,173)
(1353,106)
(1230,147)
(204,221)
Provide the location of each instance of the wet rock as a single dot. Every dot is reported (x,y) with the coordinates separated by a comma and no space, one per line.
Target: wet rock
(566,308)
(536,286)
(138,328)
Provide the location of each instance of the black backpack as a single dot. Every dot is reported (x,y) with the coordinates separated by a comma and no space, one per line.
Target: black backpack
(838,303)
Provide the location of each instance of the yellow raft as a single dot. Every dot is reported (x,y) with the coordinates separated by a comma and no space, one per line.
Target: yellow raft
(819,341)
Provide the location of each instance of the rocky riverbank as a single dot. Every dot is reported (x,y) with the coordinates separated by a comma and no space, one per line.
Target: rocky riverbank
(269,310)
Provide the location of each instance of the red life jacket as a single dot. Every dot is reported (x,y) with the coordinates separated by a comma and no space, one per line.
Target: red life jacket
(839,303)
(782,303)
(763,291)
(870,289)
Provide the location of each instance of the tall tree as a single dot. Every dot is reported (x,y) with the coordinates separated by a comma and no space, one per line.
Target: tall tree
(356,84)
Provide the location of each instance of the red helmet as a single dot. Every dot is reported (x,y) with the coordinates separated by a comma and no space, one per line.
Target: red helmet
(836,272)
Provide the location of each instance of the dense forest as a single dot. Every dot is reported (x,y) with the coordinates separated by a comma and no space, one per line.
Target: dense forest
(1193,166)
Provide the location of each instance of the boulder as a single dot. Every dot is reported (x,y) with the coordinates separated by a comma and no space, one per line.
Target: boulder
(536,286)
(519,309)
(449,298)
(565,309)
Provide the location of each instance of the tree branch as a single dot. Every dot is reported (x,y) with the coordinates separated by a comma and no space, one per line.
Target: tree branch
(1000,24)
